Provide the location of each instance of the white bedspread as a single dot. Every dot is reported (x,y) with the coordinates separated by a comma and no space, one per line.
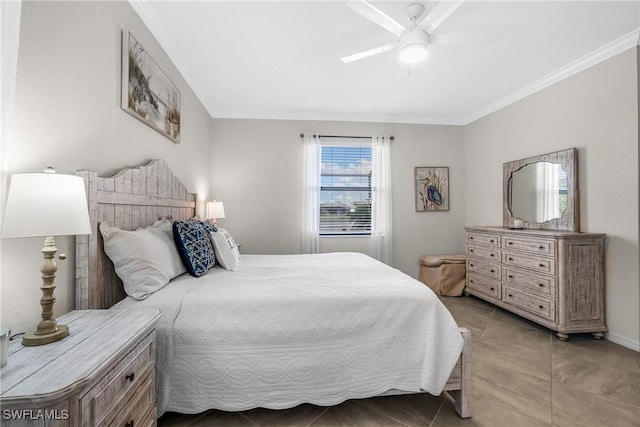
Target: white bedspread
(287,329)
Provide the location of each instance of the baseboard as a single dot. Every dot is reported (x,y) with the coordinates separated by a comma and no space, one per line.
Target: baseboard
(625,342)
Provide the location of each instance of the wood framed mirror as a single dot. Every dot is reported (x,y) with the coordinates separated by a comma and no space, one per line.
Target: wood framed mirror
(541,192)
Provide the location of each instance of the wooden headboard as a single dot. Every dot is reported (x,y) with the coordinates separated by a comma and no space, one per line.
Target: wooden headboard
(133,197)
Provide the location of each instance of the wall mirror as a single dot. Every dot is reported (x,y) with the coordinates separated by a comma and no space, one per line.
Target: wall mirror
(542,192)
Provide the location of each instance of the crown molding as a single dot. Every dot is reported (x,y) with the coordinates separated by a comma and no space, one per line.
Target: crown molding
(605,52)
(145,11)
(337,117)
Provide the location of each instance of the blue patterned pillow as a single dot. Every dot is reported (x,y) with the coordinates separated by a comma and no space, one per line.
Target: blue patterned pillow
(208,227)
(193,241)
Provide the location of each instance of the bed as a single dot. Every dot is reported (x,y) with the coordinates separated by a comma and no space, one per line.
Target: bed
(281,330)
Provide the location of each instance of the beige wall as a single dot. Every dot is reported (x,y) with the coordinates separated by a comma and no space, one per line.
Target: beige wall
(596,111)
(67,114)
(257,173)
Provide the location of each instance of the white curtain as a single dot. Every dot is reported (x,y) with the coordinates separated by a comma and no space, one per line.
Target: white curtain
(381,236)
(548,192)
(311,191)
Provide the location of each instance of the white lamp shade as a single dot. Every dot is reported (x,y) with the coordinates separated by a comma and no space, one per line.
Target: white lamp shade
(46,204)
(215,210)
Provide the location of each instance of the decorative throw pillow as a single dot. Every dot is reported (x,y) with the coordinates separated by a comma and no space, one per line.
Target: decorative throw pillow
(144,259)
(194,245)
(226,249)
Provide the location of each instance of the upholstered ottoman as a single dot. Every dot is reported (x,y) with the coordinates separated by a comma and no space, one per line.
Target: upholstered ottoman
(445,274)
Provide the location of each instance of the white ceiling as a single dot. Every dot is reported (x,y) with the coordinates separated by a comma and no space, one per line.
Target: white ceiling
(280,60)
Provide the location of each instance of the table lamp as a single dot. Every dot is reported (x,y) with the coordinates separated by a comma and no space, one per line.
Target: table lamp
(46,204)
(214,211)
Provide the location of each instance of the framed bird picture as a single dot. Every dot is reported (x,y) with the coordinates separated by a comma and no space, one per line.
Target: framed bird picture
(431,188)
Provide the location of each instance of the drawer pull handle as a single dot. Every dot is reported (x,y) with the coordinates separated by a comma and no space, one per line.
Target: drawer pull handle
(129,424)
(540,306)
(470,265)
(471,281)
(470,250)
(492,288)
(130,377)
(492,241)
(540,265)
(510,243)
(511,276)
(541,285)
(492,270)
(510,259)
(470,237)
(510,296)
(493,254)
(541,247)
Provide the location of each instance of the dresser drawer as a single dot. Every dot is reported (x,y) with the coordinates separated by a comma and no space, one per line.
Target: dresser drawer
(484,239)
(488,253)
(484,285)
(529,281)
(540,306)
(541,265)
(534,246)
(137,412)
(119,385)
(151,420)
(484,268)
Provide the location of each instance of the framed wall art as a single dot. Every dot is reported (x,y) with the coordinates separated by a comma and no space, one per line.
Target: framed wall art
(431,188)
(147,93)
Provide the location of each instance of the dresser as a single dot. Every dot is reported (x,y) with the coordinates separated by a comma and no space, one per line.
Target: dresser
(102,374)
(554,278)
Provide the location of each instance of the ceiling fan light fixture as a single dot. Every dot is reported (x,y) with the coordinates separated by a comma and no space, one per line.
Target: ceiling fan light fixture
(413,46)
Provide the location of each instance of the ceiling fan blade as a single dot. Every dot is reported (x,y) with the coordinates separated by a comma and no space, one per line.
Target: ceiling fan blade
(372,13)
(367,53)
(439,14)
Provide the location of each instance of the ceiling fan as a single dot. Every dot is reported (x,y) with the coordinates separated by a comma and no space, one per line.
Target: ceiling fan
(413,41)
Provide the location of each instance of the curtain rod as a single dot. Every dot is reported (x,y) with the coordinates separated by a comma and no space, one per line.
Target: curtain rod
(344,136)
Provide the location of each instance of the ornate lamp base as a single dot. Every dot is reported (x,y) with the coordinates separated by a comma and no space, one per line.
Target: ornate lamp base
(48,330)
(35,339)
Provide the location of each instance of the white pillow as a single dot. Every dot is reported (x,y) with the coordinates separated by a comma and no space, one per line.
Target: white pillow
(145,259)
(227,252)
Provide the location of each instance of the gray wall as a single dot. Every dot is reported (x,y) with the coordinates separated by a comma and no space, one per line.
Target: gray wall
(257,173)
(596,111)
(67,115)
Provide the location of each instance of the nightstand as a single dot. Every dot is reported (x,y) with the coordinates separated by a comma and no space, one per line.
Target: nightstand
(103,373)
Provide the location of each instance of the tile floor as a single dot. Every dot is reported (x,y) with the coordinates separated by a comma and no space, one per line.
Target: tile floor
(522,376)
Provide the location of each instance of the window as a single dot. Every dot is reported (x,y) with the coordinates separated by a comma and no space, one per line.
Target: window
(345,190)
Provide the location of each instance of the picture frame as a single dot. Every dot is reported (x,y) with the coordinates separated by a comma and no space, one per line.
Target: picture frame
(431,185)
(147,92)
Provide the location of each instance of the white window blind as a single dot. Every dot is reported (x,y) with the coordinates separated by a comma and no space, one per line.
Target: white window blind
(345,190)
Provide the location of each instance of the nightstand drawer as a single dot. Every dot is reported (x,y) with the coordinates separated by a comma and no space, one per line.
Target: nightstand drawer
(484,268)
(534,246)
(536,305)
(137,412)
(533,282)
(119,385)
(541,265)
(488,253)
(483,285)
(484,239)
